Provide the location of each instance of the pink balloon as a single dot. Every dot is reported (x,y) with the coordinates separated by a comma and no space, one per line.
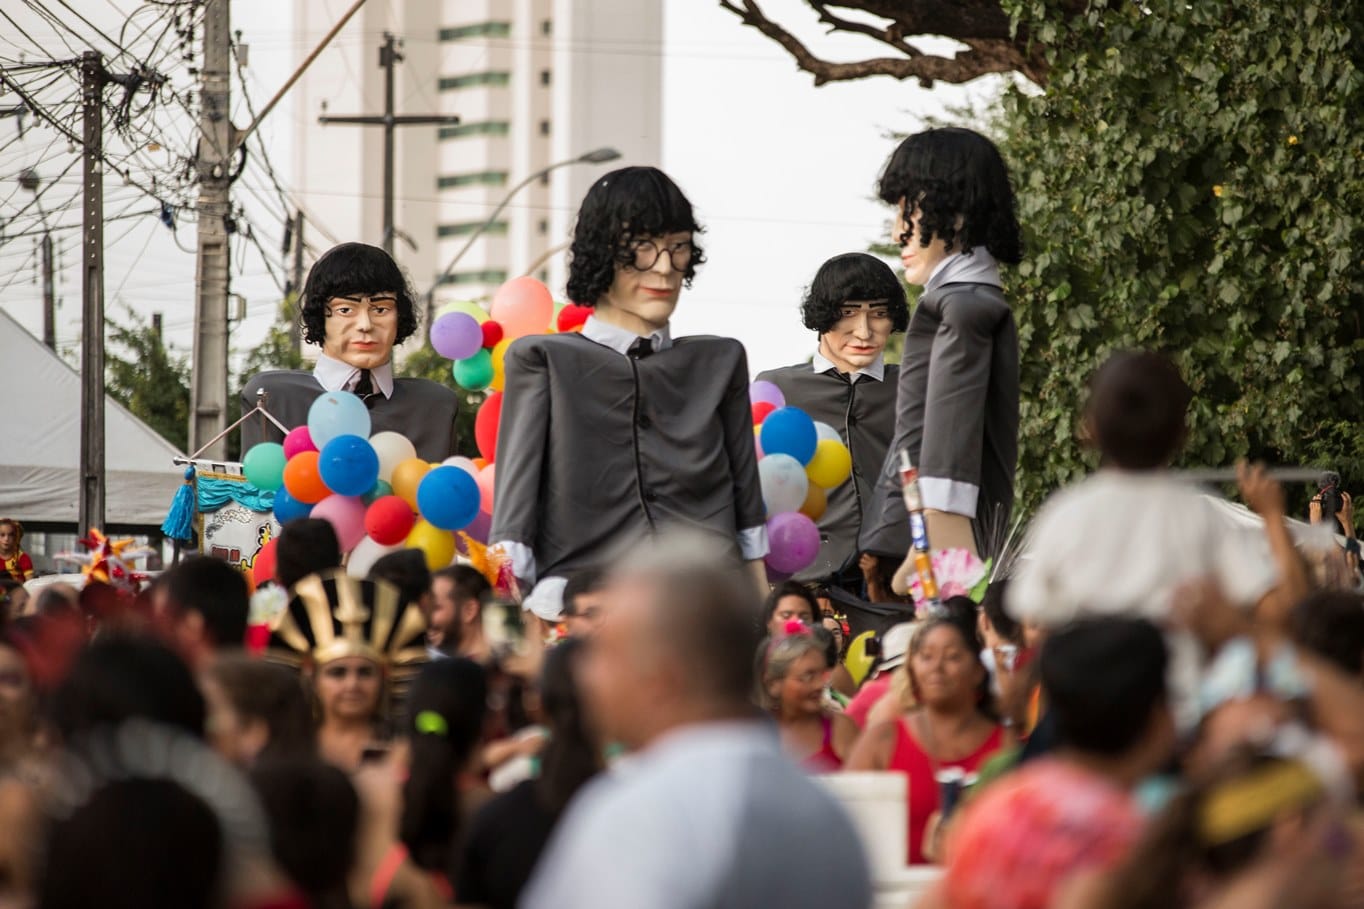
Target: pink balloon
(298,439)
(486,479)
(523,306)
(793,540)
(346,514)
(763,391)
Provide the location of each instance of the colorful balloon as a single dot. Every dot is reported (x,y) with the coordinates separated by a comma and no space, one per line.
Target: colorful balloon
(486,424)
(793,540)
(348,465)
(392,448)
(474,373)
(463,464)
(437,545)
(784,483)
(377,491)
(337,413)
(389,520)
(473,309)
(499,354)
(448,498)
(816,503)
(763,391)
(572,317)
(523,306)
(831,465)
(492,334)
(298,439)
(478,530)
(287,508)
(407,476)
(487,484)
(263,565)
(365,554)
(790,431)
(302,479)
(346,514)
(761,411)
(825,431)
(456,335)
(263,465)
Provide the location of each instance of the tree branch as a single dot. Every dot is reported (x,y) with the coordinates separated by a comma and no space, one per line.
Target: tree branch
(890,35)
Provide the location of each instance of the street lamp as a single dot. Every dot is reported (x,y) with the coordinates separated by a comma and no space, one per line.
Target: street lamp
(596,156)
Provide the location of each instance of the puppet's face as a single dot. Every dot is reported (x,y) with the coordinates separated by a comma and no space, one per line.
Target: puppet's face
(918,260)
(647,290)
(361,329)
(858,337)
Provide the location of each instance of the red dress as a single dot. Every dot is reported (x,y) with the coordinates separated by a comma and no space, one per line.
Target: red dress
(826,759)
(910,758)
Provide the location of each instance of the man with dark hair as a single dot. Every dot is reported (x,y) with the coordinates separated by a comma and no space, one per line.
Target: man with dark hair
(624,430)
(306,546)
(356,305)
(584,595)
(1105,682)
(207,600)
(854,304)
(458,595)
(711,812)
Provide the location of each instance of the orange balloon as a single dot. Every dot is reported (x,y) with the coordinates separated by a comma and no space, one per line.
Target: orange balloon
(407,476)
(303,479)
(480,463)
(816,501)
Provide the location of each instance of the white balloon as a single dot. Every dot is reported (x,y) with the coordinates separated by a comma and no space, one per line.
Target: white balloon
(825,431)
(463,464)
(392,448)
(784,483)
(365,554)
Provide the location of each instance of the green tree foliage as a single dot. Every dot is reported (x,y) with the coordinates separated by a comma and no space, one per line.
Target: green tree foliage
(1192,181)
(427,364)
(145,377)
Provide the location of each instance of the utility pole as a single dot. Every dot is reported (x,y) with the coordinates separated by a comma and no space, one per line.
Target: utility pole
(208,376)
(388,59)
(295,336)
(91,512)
(49,296)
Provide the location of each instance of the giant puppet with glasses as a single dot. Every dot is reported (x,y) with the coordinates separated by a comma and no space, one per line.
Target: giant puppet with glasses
(356,305)
(623,430)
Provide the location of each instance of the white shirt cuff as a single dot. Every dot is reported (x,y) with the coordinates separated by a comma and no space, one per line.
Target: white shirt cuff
(521,556)
(951,496)
(753,543)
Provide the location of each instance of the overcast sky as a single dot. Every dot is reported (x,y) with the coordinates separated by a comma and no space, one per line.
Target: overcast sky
(782,174)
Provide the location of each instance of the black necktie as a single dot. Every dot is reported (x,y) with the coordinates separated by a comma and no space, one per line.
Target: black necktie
(642,348)
(364,389)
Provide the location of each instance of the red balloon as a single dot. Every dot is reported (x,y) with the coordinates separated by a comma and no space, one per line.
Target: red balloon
(492,333)
(263,565)
(761,410)
(486,424)
(572,316)
(389,520)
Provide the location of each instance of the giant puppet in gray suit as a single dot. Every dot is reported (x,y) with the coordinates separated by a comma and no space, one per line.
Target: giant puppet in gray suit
(356,305)
(957,405)
(612,434)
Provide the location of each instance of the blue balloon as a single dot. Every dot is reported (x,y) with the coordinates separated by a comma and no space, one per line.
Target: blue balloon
(448,498)
(337,413)
(349,465)
(789,431)
(288,508)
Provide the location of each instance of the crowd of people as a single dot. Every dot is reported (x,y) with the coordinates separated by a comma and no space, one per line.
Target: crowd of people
(1149,702)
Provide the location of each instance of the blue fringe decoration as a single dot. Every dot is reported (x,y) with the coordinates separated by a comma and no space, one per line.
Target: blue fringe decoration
(214,494)
(179,521)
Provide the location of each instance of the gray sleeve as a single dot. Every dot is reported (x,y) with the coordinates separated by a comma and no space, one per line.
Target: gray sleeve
(749,510)
(954,406)
(521,441)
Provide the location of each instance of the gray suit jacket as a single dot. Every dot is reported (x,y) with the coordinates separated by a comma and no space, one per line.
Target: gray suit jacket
(419,409)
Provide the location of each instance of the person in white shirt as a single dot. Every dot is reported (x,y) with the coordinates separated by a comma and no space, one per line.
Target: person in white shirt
(707,812)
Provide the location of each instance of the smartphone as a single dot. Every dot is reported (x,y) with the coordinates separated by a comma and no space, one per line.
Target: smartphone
(505,627)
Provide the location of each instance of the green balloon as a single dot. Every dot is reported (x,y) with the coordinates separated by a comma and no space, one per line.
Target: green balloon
(474,373)
(380,490)
(263,466)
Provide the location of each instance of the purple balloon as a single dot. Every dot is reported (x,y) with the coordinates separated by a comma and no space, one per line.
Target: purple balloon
(478,530)
(764,391)
(346,514)
(456,335)
(793,540)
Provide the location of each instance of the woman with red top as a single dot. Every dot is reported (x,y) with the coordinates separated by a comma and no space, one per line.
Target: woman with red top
(946,723)
(14,562)
(795,670)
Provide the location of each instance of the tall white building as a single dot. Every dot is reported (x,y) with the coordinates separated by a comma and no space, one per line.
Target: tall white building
(535,83)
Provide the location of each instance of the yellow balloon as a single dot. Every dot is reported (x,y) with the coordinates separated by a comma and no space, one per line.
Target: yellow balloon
(858,662)
(499,364)
(473,309)
(831,465)
(407,476)
(437,545)
(816,501)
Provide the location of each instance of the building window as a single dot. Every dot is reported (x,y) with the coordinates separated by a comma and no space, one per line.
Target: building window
(477,30)
(544,225)
(487,276)
(474,80)
(479,178)
(483,128)
(544,276)
(544,127)
(544,77)
(546,28)
(464,228)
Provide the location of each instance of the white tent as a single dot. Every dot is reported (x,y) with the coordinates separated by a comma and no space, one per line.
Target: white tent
(40,444)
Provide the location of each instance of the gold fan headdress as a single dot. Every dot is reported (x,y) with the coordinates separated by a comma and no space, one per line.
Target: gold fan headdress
(332,615)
